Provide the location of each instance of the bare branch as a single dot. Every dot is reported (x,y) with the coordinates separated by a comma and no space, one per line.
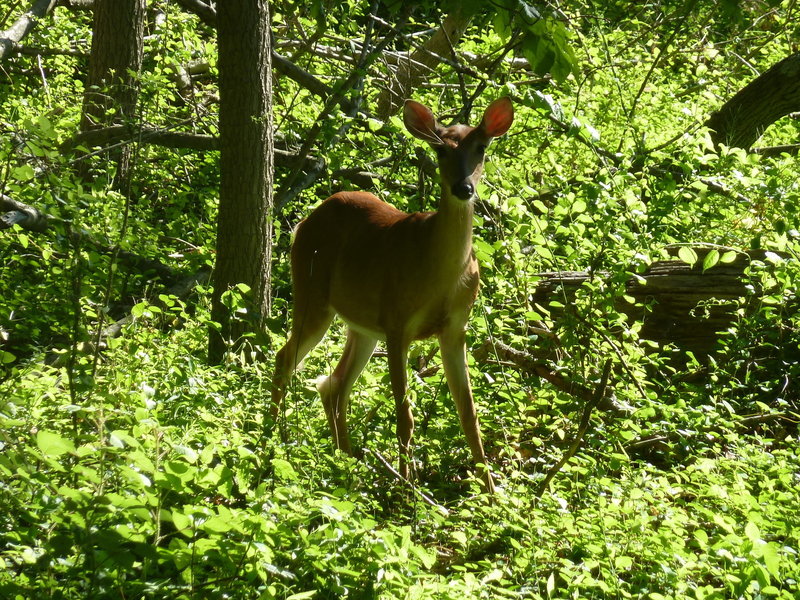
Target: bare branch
(76,4)
(205,12)
(17,213)
(128,134)
(539,363)
(23,26)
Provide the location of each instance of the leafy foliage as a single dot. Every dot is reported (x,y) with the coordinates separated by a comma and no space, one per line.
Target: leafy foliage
(129,467)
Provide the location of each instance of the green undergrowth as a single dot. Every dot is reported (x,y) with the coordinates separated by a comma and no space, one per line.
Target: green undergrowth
(165,481)
(130,468)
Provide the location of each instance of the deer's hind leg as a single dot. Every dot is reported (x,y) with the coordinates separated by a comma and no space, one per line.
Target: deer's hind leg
(335,389)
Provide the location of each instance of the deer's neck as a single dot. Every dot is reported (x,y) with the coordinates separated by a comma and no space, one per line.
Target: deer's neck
(453,232)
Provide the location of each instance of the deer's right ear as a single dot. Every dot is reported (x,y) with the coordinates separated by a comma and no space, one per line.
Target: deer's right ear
(498,117)
(420,122)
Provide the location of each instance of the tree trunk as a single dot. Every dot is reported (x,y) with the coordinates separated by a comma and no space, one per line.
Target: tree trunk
(244,229)
(770,96)
(111,90)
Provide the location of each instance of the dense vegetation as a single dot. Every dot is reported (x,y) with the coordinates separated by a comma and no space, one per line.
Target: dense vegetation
(129,467)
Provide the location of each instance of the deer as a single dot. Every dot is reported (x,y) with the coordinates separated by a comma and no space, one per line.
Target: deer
(394,277)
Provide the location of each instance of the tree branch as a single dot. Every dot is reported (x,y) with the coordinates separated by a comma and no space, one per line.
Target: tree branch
(770,96)
(538,363)
(205,12)
(23,26)
(76,4)
(208,15)
(290,186)
(128,134)
(598,395)
(425,59)
(32,219)
(27,217)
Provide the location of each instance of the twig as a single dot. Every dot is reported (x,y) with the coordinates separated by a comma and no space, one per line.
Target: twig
(208,15)
(791,149)
(582,429)
(425,498)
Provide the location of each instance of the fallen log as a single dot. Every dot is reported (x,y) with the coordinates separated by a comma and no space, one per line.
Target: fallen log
(677,303)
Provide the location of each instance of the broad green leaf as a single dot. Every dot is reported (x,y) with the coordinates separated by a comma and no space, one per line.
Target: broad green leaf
(302,595)
(217,524)
(284,469)
(189,453)
(687,255)
(772,559)
(183,523)
(711,259)
(623,562)
(23,173)
(52,444)
(426,557)
(752,532)
(551,583)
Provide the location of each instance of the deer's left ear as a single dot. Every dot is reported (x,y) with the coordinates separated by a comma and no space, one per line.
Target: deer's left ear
(498,117)
(420,122)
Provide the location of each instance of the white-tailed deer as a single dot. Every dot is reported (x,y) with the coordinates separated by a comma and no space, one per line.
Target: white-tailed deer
(396,277)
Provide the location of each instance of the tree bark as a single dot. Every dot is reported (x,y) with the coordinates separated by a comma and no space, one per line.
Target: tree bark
(770,96)
(244,229)
(111,90)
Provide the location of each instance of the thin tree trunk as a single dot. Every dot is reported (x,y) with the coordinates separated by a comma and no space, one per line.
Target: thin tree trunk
(117,48)
(244,229)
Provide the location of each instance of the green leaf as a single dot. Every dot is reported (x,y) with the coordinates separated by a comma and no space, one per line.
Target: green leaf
(551,583)
(183,523)
(139,309)
(23,173)
(687,255)
(711,259)
(217,524)
(772,559)
(52,444)
(752,532)
(284,469)
(623,562)
(302,595)
(426,557)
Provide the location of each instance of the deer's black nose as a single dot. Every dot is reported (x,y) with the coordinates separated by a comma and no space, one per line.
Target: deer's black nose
(463,189)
